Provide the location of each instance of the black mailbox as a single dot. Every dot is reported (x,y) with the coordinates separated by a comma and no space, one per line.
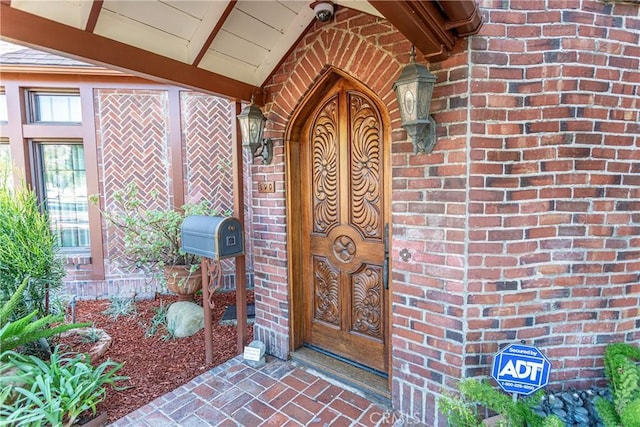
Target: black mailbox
(213,237)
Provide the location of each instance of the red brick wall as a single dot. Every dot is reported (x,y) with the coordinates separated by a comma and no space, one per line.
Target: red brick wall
(429,235)
(554,187)
(206,129)
(428,205)
(207,122)
(524,221)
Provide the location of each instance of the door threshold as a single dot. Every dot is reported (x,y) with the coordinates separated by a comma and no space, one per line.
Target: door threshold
(370,384)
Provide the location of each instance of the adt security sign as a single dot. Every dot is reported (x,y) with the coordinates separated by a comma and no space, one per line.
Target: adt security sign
(521,369)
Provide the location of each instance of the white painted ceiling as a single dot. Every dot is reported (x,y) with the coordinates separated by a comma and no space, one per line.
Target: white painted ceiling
(249,44)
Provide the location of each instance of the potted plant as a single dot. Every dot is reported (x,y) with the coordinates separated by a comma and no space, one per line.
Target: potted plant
(152,239)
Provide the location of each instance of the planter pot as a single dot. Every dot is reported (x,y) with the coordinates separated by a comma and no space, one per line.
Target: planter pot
(183,283)
(99,347)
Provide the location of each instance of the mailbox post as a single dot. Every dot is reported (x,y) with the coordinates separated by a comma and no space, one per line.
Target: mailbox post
(213,238)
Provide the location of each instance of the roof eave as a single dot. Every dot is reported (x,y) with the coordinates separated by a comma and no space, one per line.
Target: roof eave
(52,69)
(433,27)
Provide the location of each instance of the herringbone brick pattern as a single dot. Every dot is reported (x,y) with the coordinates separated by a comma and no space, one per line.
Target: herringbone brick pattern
(206,127)
(132,126)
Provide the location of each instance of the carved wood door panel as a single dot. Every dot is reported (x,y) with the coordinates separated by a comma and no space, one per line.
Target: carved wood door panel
(343,228)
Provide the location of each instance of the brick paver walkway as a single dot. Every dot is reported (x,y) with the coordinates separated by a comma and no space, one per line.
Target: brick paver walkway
(278,394)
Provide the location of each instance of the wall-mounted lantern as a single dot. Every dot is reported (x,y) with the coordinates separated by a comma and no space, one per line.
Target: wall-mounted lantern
(414,89)
(252,126)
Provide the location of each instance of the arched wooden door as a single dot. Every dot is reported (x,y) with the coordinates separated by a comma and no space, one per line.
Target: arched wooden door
(343,228)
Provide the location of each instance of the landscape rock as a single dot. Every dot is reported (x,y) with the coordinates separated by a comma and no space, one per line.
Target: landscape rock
(576,408)
(185,318)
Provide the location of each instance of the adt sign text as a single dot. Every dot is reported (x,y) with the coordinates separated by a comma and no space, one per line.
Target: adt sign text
(521,369)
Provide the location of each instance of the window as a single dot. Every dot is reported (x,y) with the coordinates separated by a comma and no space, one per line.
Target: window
(62,183)
(6,169)
(4,117)
(53,107)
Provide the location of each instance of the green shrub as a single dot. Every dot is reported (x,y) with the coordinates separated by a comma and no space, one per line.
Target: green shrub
(459,412)
(463,411)
(623,373)
(27,329)
(52,393)
(27,249)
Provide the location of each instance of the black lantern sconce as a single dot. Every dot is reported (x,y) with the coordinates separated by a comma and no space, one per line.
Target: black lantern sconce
(252,127)
(414,89)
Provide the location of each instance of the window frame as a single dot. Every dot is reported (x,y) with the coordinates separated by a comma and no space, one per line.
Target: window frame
(32,105)
(37,166)
(3,93)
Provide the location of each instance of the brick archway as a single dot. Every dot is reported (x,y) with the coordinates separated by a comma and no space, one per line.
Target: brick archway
(375,62)
(346,47)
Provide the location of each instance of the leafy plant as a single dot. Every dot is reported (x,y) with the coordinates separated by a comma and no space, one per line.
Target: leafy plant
(158,320)
(120,306)
(59,303)
(27,249)
(459,412)
(27,329)
(623,373)
(55,392)
(463,410)
(152,236)
(92,335)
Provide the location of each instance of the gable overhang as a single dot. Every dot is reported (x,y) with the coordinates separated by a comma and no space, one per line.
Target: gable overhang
(206,50)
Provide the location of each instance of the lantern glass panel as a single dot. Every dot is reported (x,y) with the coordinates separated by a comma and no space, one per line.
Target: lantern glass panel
(410,101)
(424,90)
(251,125)
(255,129)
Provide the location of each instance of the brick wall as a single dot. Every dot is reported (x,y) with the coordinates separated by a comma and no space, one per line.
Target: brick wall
(206,129)
(522,224)
(133,127)
(428,205)
(133,148)
(554,184)
(207,122)
(429,247)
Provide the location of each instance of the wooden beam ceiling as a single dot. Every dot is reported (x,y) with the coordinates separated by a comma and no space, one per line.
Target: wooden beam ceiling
(37,32)
(215,31)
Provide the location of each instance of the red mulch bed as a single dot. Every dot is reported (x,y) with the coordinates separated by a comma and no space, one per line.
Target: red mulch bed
(154,365)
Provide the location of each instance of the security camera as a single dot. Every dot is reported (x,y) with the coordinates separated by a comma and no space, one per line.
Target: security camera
(323,10)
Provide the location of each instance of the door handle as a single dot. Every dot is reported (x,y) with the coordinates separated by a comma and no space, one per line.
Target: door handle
(385,266)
